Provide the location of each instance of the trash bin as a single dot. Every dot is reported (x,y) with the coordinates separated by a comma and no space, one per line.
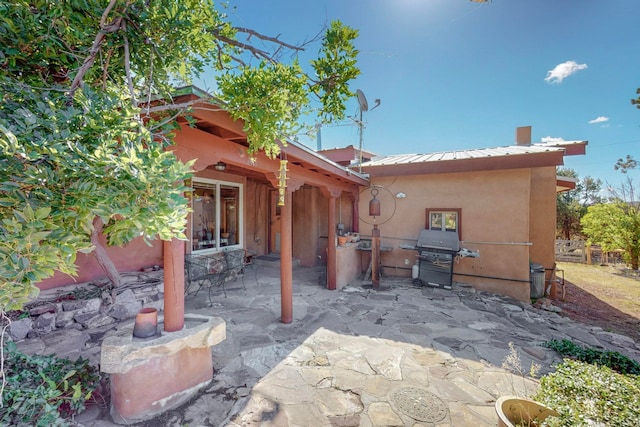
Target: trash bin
(536,278)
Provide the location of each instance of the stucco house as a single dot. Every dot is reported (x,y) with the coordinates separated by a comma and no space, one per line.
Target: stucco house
(500,201)
(503,201)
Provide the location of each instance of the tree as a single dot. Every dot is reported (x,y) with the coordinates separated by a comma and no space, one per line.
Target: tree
(626,164)
(84,148)
(572,205)
(616,225)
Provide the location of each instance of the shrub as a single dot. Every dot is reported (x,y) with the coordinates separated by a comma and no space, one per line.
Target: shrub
(44,390)
(590,395)
(612,359)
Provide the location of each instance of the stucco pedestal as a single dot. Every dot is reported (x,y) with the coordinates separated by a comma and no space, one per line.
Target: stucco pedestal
(152,375)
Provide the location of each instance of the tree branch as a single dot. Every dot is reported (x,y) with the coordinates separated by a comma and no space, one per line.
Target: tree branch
(127,65)
(183,106)
(276,40)
(258,53)
(97,44)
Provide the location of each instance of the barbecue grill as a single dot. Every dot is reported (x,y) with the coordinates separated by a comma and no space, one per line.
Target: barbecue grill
(436,251)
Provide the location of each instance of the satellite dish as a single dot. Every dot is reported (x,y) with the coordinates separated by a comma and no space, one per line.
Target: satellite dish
(362,100)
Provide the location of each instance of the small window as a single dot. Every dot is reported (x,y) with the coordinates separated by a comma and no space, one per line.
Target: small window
(444,219)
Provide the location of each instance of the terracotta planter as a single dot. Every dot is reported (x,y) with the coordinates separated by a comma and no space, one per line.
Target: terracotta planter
(342,240)
(146,324)
(518,411)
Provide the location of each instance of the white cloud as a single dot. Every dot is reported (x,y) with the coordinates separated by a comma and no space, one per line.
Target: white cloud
(552,139)
(600,119)
(564,70)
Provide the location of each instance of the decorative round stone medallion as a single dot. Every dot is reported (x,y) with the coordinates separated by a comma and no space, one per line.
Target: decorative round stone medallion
(419,404)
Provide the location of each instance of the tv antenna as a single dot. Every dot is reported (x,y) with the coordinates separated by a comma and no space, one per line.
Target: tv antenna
(364,106)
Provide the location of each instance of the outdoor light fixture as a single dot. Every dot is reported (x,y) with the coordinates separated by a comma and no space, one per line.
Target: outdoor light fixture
(220,166)
(401,195)
(374,204)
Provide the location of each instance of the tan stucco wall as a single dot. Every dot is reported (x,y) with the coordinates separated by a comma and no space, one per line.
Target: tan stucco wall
(310,223)
(306,232)
(543,216)
(496,220)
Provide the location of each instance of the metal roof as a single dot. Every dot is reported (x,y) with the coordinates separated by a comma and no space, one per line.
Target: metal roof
(479,153)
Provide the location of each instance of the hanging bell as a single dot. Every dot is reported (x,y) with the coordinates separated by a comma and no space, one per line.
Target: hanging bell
(374,204)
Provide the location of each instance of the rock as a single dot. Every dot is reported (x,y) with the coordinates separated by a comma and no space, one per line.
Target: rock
(65,342)
(98,321)
(19,329)
(31,346)
(545,304)
(41,309)
(83,306)
(537,352)
(64,319)
(44,323)
(126,306)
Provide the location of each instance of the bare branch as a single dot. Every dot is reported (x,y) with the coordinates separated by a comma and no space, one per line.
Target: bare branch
(105,14)
(127,64)
(97,44)
(183,106)
(258,53)
(276,40)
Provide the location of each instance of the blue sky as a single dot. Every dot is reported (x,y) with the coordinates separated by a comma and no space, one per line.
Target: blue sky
(457,74)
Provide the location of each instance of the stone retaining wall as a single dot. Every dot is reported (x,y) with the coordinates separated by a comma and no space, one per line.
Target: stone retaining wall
(78,315)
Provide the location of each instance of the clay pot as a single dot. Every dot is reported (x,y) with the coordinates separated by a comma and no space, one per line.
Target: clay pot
(342,240)
(518,411)
(146,324)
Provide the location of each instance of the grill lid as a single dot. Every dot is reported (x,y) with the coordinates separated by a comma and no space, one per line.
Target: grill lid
(438,239)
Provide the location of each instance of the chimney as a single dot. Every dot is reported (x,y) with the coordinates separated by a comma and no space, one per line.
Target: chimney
(523,135)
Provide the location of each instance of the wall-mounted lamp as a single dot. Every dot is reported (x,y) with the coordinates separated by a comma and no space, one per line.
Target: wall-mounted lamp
(220,166)
(400,195)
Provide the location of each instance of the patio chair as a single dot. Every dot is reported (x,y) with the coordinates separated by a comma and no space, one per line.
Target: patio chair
(249,263)
(203,269)
(235,264)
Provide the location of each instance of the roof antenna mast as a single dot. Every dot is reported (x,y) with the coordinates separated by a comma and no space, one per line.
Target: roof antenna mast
(364,106)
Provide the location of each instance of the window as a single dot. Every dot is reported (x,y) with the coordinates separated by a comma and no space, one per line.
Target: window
(445,219)
(217,215)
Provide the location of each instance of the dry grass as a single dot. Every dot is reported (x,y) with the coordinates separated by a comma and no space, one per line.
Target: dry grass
(605,296)
(611,284)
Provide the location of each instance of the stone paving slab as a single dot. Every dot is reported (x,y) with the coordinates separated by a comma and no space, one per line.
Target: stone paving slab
(350,357)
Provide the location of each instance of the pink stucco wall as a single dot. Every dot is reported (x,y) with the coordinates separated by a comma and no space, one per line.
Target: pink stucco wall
(132,257)
(505,215)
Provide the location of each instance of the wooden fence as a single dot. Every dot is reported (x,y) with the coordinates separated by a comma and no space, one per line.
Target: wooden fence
(577,251)
(571,251)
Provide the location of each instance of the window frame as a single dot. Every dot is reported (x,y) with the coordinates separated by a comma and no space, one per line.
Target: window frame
(457,211)
(218,199)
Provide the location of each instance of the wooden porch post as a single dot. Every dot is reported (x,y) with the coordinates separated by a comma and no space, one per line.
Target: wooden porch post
(375,257)
(286,265)
(173,256)
(286,253)
(355,202)
(331,244)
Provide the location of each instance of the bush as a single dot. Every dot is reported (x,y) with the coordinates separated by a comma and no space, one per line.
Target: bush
(590,395)
(44,390)
(611,359)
